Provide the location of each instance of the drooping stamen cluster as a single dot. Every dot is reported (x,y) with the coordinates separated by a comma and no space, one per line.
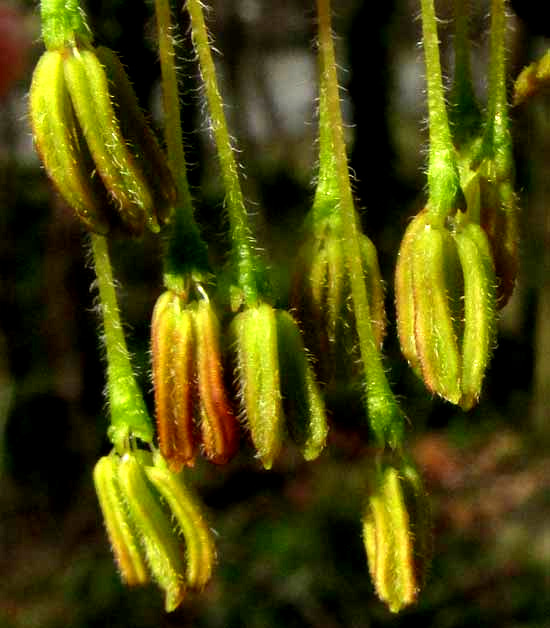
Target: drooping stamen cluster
(190,395)
(397,532)
(93,138)
(458,259)
(145,531)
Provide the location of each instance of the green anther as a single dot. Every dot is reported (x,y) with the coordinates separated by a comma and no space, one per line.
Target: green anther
(200,551)
(119,169)
(303,402)
(160,544)
(405,302)
(140,140)
(479,310)
(435,335)
(121,530)
(61,146)
(255,333)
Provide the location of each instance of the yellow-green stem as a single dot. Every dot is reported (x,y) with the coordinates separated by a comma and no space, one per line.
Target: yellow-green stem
(170,93)
(443,178)
(497,142)
(129,416)
(385,417)
(241,234)
(186,253)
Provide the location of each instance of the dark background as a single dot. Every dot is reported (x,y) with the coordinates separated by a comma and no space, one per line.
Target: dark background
(289,540)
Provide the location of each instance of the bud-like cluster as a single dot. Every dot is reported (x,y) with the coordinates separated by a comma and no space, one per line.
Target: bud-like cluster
(95,142)
(146,532)
(190,394)
(397,533)
(275,378)
(321,295)
(532,79)
(445,290)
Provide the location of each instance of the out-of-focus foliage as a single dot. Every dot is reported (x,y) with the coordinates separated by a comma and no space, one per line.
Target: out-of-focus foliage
(289,540)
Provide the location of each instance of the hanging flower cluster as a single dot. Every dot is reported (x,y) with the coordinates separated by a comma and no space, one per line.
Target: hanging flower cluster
(456,267)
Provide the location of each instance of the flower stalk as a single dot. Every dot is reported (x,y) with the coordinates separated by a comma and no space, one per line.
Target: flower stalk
(245,259)
(445,195)
(385,416)
(186,254)
(129,416)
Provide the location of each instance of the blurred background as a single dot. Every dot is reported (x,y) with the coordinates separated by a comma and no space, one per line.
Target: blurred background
(289,540)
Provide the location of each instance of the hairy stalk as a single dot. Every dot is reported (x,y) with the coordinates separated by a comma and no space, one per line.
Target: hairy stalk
(384,414)
(241,234)
(63,23)
(497,141)
(129,416)
(443,177)
(170,92)
(186,250)
(327,194)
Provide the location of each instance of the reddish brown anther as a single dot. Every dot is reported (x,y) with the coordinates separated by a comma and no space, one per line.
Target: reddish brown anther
(218,423)
(172,348)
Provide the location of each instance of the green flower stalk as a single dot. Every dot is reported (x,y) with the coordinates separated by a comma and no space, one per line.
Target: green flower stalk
(64,24)
(445,194)
(385,417)
(128,413)
(485,152)
(259,330)
(249,268)
(498,199)
(321,288)
(186,255)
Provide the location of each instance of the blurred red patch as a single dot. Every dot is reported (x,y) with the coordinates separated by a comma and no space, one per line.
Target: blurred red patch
(15,42)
